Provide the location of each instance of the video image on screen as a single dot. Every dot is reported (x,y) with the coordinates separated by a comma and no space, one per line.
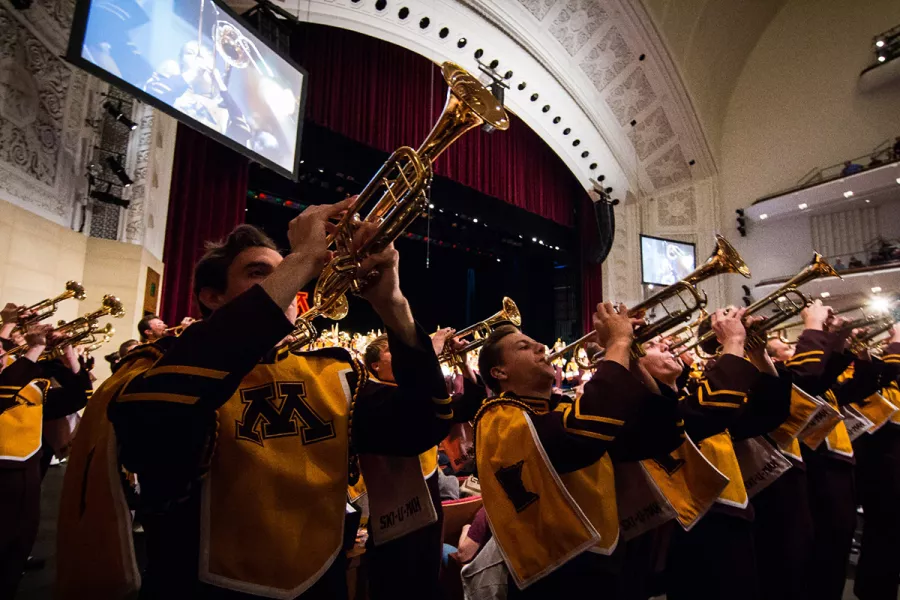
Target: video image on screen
(663,262)
(196,58)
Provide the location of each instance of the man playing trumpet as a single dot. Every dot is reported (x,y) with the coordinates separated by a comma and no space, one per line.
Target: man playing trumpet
(244,450)
(545,475)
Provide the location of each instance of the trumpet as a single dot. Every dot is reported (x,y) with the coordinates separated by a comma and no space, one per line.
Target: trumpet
(47,308)
(400,190)
(97,338)
(77,330)
(867,341)
(177,330)
(784,303)
(480,332)
(724,259)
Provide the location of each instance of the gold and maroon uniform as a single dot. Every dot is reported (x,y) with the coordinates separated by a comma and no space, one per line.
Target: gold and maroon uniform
(548,482)
(30,394)
(721,541)
(878,477)
(243,453)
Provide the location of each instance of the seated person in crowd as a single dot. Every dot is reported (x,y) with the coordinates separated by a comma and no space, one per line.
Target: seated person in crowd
(850,168)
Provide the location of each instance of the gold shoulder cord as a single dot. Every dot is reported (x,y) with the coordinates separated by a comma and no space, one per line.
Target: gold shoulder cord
(362,376)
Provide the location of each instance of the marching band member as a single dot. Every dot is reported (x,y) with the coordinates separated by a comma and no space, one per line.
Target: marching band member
(22,391)
(31,393)
(878,477)
(419,551)
(151,328)
(783,525)
(829,462)
(720,542)
(243,449)
(545,475)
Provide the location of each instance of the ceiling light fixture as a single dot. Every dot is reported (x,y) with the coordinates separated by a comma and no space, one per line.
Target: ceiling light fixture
(825,294)
(803,206)
(876,290)
(848,194)
(763,217)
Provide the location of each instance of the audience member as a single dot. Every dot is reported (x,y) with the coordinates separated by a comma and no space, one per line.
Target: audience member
(855,263)
(850,168)
(896,149)
(839,265)
(473,537)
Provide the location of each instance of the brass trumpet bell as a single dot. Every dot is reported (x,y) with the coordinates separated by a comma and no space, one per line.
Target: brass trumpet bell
(780,305)
(687,298)
(481,331)
(47,308)
(396,196)
(77,330)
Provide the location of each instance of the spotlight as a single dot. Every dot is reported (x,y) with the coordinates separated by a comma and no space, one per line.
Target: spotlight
(879,44)
(881,58)
(108,198)
(117,169)
(116,113)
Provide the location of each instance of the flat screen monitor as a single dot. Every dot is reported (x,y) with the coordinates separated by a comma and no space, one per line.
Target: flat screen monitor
(663,262)
(195,60)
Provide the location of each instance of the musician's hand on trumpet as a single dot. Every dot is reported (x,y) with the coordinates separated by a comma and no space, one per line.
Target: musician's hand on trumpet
(728,325)
(615,332)
(67,351)
(36,338)
(307,235)
(756,352)
(10,315)
(816,315)
(443,338)
(895,334)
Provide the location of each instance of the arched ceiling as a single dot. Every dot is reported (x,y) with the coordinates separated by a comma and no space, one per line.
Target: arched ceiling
(709,41)
(598,65)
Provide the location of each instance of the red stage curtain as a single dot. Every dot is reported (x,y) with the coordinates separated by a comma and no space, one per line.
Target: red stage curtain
(386,96)
(591,273)
(207,200)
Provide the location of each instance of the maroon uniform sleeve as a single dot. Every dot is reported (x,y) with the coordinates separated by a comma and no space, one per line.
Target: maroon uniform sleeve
(818,361)
(717,400)
(408,418)
(72,393)
(891,361)
(582,433)
(768,406)
(865,382)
